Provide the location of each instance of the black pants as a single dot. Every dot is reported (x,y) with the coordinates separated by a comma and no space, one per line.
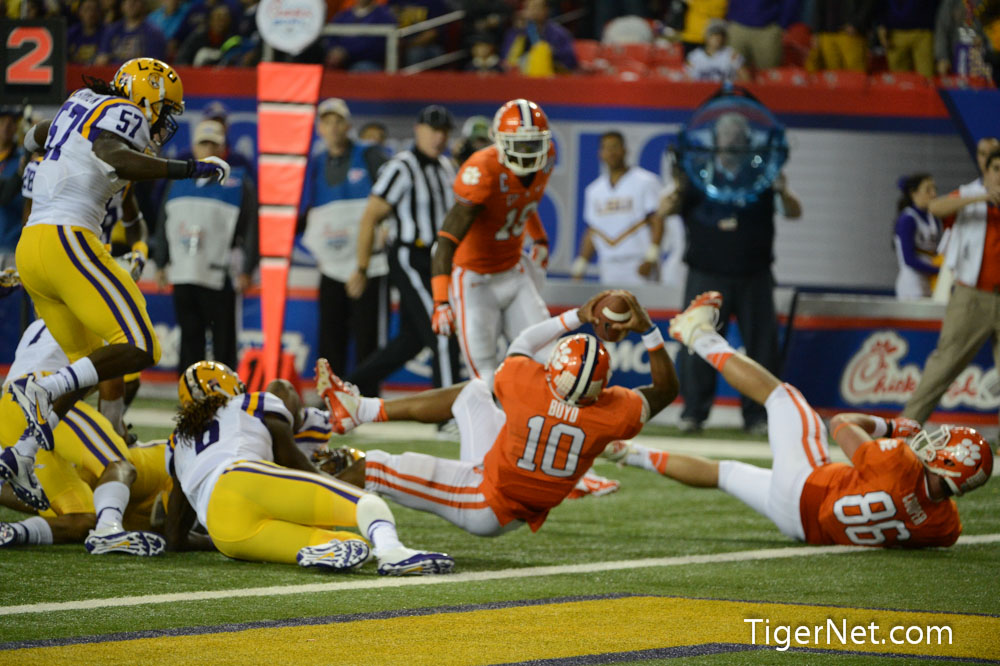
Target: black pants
(199,309)
(342,319)
(410,273)
(751,299)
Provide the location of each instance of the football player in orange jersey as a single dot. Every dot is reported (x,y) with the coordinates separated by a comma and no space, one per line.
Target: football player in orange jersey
(481,285)
(897,492)
(518,462)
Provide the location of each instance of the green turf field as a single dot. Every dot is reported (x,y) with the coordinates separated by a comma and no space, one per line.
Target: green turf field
(496,582)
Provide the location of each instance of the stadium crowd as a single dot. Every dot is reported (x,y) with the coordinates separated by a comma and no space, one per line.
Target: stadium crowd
(954,40)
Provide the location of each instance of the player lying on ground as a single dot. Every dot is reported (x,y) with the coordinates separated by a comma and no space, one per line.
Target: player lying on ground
(96,484)
(897,492)
(101,137)
(236,466)
(518,462)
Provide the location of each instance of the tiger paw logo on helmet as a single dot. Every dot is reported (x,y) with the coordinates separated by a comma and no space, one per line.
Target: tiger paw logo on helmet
(578,369)
(967,453)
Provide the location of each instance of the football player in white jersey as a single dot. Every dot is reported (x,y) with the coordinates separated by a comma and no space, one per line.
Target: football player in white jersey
(85,444)
(620,209)
(94,145)
(237,468)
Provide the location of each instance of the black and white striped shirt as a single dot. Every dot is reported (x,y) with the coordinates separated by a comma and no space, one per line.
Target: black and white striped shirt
(419,189)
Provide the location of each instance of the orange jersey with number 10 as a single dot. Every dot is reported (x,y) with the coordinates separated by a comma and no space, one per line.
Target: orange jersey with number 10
(546,445)
(493,242)
(880,501)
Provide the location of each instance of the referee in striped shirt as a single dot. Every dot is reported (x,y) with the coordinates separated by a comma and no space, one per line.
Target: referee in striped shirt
(414,187)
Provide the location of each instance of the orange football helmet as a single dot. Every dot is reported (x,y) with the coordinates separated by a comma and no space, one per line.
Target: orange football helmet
(959,455)
(521,133)
(578,369)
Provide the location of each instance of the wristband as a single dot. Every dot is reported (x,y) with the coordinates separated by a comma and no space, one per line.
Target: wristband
(177,169)
(570,319)
(439,288)
(653,338)
(449,236)
(652,253)
(133,221)
(579,267)
(29,141)
(141,248)
(881,428)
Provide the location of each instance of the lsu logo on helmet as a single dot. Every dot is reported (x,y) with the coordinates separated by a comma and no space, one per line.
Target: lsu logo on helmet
(521,133)
(578,369)
(156,88)
(959,455)
(206,378)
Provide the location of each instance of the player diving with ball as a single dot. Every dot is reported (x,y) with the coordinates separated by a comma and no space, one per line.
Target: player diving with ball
(519,460)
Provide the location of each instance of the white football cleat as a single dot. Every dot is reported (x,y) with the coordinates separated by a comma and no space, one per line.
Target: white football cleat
(616,451)
(593,484)
(404,561)
(116,539)
(19,471)
(338,555)
(341,398)
(701,316)
(36,403)
(8,537)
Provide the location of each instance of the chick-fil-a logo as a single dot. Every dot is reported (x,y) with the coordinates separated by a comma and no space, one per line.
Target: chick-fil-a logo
(874,375)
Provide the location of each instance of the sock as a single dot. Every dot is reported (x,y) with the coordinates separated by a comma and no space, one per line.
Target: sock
(27,447)
(80,374)
(37,531)
(376,522)
(110,500)
(371,410)
(114,411)
(713,348)
(647,458)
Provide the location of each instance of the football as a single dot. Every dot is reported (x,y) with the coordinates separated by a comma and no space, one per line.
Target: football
(612,309)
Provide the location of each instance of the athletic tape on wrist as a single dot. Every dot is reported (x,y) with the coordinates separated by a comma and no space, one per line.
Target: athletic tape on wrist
(653,338)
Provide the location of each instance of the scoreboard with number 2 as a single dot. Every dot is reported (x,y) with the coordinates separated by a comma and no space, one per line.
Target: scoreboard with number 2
(33,61)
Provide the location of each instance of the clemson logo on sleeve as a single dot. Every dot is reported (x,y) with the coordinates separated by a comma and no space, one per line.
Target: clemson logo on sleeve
(471,175)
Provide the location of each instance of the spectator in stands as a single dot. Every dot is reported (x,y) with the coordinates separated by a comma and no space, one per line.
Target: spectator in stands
(840,34)
(916,237)
(131,37)
(537,46)
(198,227)
(756,30)
(374,134)
(960,44)
(627,30)
(716,60)
(484,58)
(699,13)
(423,45)
(607,10)
(730,249)
(338,182)
(84,39)
(972,214)
(176,19)
(487,18)
(905,30)
(215,43)
(362,53)
(217,111)
(620,210)
(110,12)
(11,202)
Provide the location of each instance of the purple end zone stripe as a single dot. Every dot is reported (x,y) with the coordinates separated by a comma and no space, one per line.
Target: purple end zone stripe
(321,484)
(61,231)
(147,335)
(86,442)
(100,431)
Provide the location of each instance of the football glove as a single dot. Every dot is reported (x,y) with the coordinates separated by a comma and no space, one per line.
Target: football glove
(9,282)
(210,170)
(135,262)
(443,320)
(540,255)
(902,427)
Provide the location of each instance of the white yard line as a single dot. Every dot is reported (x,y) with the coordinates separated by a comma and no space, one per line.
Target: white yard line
(476,576)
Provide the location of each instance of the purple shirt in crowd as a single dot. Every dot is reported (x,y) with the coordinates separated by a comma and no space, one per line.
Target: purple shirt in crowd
(122,44)
(910,14)
(81,48)
(761,13)
(363,48)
